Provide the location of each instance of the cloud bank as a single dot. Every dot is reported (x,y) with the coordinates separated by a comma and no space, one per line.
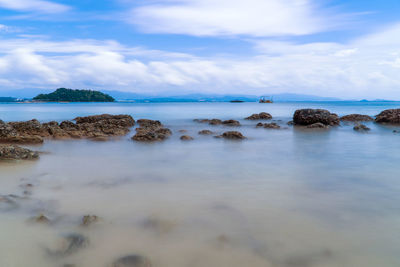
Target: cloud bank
(231,17)
(39,6)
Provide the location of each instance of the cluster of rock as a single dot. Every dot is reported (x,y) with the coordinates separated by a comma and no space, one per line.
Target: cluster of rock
(33,132)
(218,122)
(356,117)
(271,125)
(16,152)
(259,116)
(151,130)
(389,116)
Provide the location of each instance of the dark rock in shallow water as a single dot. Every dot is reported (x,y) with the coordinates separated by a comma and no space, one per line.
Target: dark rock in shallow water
(132,261)
(233,135)
(145,123)
(16,152)
(205,132)
(150,131)
(317,125)
(202,120)
(89,219)
(186,138)
(71,244)
(310,116)
(361,127)
(356,117)
(231,123)
(41,218)
(389,116)
(215,122)
(271,125)
(260,116)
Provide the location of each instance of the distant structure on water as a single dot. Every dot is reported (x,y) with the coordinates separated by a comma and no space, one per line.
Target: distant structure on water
(266,99)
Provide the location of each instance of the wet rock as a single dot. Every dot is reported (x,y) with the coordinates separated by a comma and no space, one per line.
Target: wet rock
(145,123)
(16,152)
(389,116)
(233,135)
(260,116)
(202,120)
(356,117)
(89,219)
(205,132)
(186,138)
(70,244)
(117,120)
(271,125)
(215,122)
(231,123)
(41,218)
(150,131)
(317,125)
(361,127)
(132,261)
(311,116)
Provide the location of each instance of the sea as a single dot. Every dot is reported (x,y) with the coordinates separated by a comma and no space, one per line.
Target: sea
(285,197)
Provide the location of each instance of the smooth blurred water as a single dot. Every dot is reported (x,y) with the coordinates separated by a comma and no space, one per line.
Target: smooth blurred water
(288,197)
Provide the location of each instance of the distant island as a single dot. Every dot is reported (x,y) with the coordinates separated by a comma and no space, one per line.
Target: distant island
(71,95)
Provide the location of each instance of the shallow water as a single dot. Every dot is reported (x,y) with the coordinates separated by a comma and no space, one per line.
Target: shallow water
(284,197)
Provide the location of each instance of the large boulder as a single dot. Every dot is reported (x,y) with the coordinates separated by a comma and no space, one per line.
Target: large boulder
(16,152)
(356,117)
(389,116)
(310,116)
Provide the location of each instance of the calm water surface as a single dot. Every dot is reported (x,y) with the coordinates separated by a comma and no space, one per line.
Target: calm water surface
(289,197)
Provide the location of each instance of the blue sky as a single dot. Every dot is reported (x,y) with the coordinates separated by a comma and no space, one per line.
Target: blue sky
(349,49)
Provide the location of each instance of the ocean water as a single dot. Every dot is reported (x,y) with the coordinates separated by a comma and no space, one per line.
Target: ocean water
(288,197)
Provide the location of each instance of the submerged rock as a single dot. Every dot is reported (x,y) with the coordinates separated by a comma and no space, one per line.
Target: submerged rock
(70,244)
(231,123)
(389,116)
(16,152)
(41,218)
(205,132)
(132,261)
(317,125)
(361,127)
(260,116)
(215,122)
(310,116)
(89,219)
(233,135)
(271,125)
(356,117)
(186,138)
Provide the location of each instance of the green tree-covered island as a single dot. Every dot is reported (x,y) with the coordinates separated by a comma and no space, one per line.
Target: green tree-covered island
(71,95)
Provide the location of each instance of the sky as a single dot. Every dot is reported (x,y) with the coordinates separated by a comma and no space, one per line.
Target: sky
(336,48)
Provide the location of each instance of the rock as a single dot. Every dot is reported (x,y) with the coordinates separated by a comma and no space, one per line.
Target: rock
(389,116)
(89,219)
(260,116)
(317,125)
(120,120)
(16,152)
(42,219)
(233,135)
(260,124)
(202,120)
(132,261)
(150,131)
(356,117)
(182,131)
(205,132)
(215,122)
(310,116)
(186,138)
(145,123)
(70,244)
(231,123)
(290,123)
(361,127)
(271,125)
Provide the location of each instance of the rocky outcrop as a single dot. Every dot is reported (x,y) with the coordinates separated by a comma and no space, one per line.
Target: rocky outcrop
(16,152)
(151,130)
(205,132)
(215,122)
(33,132)
(231,123)
(186,138)
(271,125)
(356,117)
(233,135)
(391,116)
(310,116)
(260,116)
(361,127)
(132,261)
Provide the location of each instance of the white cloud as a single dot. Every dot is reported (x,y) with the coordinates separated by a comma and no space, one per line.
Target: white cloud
(231,17)
(364,68)
(40,6)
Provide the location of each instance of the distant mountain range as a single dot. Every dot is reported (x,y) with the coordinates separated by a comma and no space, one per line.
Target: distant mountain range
(195,97)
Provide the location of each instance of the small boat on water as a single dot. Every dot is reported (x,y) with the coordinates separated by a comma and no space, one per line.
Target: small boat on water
(266,99)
